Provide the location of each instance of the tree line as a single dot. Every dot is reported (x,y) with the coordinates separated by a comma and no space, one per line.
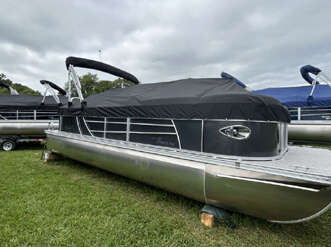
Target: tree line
(21,89)
(90,85)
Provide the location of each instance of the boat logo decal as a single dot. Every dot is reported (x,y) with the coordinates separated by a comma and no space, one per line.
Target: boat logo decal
(238,132)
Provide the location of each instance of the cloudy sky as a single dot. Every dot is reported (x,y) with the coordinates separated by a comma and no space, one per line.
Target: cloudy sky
(263,43)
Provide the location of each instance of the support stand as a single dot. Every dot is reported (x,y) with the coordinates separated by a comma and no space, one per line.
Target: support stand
(49,156)
(210,215)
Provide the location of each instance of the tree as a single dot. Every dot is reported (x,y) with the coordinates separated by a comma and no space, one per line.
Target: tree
(21,89)
(91,85)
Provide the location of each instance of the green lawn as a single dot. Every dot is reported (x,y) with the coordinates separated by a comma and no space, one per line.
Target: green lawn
(66,203)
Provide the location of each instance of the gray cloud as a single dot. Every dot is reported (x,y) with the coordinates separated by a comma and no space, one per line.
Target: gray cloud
(263,43)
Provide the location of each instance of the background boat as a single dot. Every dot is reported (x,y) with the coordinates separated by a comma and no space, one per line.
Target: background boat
(24,118)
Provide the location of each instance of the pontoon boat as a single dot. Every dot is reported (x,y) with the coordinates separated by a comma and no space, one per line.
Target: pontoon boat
(208,139)
(26,117)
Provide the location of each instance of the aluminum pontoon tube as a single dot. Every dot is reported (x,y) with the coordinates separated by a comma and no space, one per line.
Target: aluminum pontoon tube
(27,127)
(310,130)
(279,195)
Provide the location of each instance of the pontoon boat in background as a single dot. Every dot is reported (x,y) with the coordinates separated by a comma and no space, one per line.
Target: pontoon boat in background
(309,106)
(208,139)
(24,118)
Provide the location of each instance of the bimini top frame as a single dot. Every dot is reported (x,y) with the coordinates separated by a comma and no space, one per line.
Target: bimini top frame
(51,87)
(31,107)
(319,77)
(72,62)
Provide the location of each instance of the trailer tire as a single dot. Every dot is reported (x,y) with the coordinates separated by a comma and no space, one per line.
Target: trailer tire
(8,145)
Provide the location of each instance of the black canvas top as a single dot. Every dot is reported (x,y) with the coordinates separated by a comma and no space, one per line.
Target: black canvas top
(91,64)
(28,102)
(203,98)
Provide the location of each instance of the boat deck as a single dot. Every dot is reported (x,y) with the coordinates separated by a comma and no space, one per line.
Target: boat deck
(301,162)
(304,159)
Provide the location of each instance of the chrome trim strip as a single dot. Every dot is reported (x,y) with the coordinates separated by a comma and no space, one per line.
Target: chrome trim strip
(143,124)
(193,119)
(322,211)
(135,132)
(268,182)
(151,124)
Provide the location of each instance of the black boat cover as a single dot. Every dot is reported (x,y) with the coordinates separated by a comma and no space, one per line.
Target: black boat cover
(28,102)
(202,98)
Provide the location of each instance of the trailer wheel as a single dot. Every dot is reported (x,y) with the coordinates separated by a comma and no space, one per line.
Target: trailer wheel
(8,145)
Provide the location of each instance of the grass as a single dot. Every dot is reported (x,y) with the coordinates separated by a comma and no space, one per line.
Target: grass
(66,203)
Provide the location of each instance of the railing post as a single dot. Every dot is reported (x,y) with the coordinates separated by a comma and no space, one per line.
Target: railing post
(34,115)
(104,128)
(299,113)
(128,121)
(16,114)
(202,127)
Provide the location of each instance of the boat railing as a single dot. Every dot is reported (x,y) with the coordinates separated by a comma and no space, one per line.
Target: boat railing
(28,115)
(300,113)
(129,128)
(132,129)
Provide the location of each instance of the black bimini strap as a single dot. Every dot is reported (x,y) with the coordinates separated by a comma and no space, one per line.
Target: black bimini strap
(54,86)
(91,64)
(305,70)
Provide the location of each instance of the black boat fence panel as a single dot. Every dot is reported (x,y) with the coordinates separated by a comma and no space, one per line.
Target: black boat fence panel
(236,138)
(69,124)
(190,134)
(260,140)
(169,140)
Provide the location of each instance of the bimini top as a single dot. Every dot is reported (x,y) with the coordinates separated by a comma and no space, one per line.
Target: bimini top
(201,98)
(299,96)
(315,94)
